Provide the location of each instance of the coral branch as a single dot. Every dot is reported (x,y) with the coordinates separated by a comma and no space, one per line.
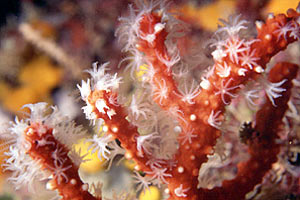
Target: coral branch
(168,131)
(52,157)
(237,61)
(40,141)
(263,149)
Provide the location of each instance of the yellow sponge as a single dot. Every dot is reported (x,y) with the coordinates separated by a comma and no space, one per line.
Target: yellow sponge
(280,6)
(93,164)
(152,194)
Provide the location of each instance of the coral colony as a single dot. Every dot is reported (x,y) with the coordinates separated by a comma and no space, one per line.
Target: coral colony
(174,127)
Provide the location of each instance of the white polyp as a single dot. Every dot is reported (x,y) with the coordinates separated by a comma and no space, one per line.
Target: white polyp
(218,54)
(193,117)
(204,84)
(110,113)
(158,27)
(180,192)
(100,105)
(241,72)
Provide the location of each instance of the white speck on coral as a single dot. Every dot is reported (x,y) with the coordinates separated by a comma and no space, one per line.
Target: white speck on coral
(259,69)
(268,37)
(180,169)
(177,129)
(73,181)
(193,117)
(115,129)
(105,128)
(85,187)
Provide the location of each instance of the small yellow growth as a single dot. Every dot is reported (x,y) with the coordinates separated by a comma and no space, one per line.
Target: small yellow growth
(129,164)
(37,79)
(281,6)
(152,194)
(14,98)
(208,16)
(141,71)
(93,164)
(41,75)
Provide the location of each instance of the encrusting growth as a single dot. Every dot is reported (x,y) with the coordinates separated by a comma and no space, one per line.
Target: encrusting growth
(168,131)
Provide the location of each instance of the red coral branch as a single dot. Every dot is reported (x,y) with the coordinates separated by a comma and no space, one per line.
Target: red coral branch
(263,149)
(119,127)
(52,156)
(236,61)
(151,36)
